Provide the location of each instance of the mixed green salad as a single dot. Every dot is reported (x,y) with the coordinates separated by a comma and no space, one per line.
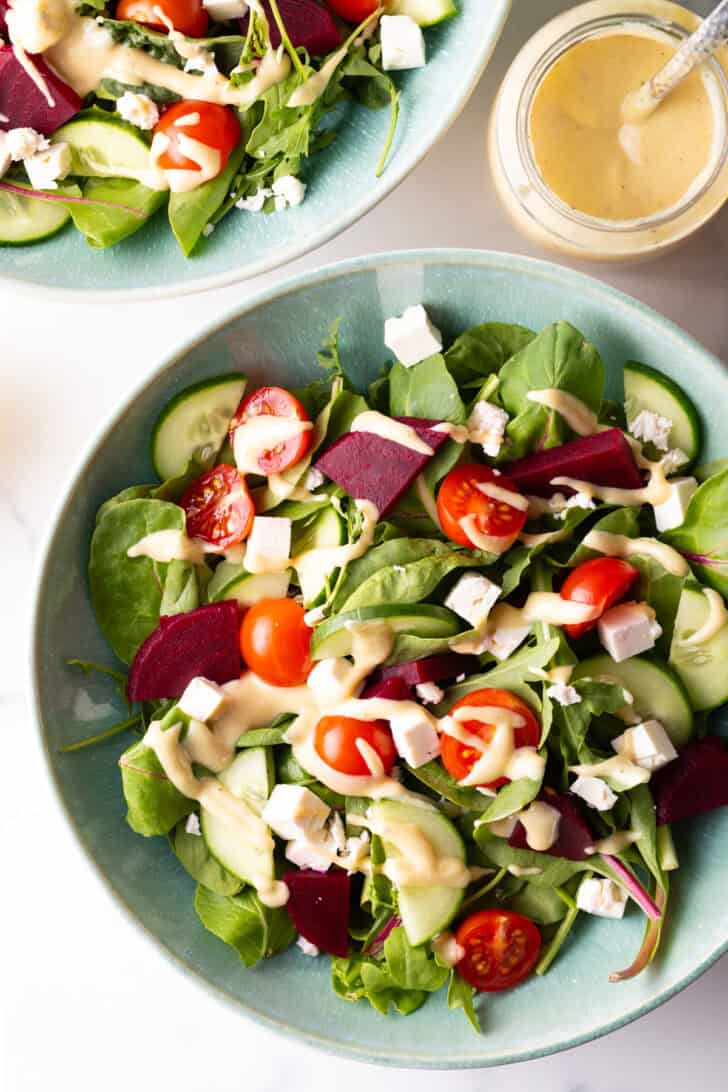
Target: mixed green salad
(422,673)
(111,110)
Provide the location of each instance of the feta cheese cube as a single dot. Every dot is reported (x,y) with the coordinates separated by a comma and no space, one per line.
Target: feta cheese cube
(201,699)
(671,513)
(504,640)
(595,792)
(337,832)
(314,479)
(294,812)
(24,142)
(473,598)
(647,744)
(328,680)
(487,426)
(403,43)
(415,737)
(256,201)
(627,630)
(429,693)
(563,694)
(652,428)
(223,10)
(307,947)
(47,167)
(602,897)
(192,826)
(412,337)
(138,110)
(288,191)
(269,544)
(674,459)
(316,852)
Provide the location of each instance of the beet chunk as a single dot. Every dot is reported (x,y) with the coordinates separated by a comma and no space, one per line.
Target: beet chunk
(603,459)
(200,642)
(309,25)
(694,782)
(369,467)
(391,689)
(319,908)
(448,665)
(24,104)
(574,836)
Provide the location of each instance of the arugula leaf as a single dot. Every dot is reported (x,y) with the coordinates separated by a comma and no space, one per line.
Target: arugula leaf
(255,931)
(266,737)
(553,871)
(703,536)
(460,995)
(511,798)
(154,805)
(483,350)
(194,856)
(426,390)
(403,978)
(190,213)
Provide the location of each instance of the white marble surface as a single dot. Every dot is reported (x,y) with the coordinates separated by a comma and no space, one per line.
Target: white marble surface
(88,1003)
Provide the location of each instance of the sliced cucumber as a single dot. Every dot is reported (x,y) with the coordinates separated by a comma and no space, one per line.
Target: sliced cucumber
(647,389)
(425,12)
(194,424)
(333,637)
(327,529)
(658,692)
(232,581)
(701,667)
(250,777)
(425,911)
(25,220)
(98,138)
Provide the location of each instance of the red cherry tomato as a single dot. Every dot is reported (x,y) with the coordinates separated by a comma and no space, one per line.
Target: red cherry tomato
(276,642)
(187,16)
(601,582)
(218,507)
(336,743)
(278,403)
(459,496)
(459,759)
(354,11)
(501,949)
(217,127)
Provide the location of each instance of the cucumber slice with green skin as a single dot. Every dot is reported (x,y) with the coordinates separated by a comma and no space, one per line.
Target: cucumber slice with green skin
(702,667)
(250,777)
(327,529)
(98,138)
(194,425)
(231,581)
(647,389)
(425,911)
(425,12)
(333,637)
(658,692)
(26,220)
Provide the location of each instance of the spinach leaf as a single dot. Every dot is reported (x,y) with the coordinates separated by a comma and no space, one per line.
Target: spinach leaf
(553,871)
(435,776)
(132,492)
(127,592)
(413,582)
(515,671)
(484,349)
(394,551)
(154,805)
(559,357)
(190,213)
(703,536)
(460,995)
(511,798)
(346,407)
(181,591)
(194,856)
(403,978)
(426,390)
(643,822)
(573,721)
(662,590)
(622,521)
(124,206)
(408,647)
(265,737)
(255,931)
(543,905)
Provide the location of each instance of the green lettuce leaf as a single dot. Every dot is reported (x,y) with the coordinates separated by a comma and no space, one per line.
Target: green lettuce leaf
(255,931)
(703,536)
(154,805)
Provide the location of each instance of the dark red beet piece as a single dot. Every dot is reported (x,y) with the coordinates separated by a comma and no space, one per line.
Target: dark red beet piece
(369,467)
(319,908)
(4,6)
(392,689)
(310,26)
(694,782)
(574,836)
(604,459)
(448,665)
(200,642)
(23,104)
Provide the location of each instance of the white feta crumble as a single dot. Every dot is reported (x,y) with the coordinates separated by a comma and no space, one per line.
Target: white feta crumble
(429,693)
(256,201)
(315,851)
(652,428)
(671,513)
(627,630)
(357,851)
(5,156)
(269,544)
(314,479)
(595,792)
(337,832)
(403,43)
(201,699)
(415,737)
(200,60)
(646,744)
(412,337)
(313,617)
(307,947)
(473,598)
(579,500)
(294,812)
(563,694)
(673,460)
(602,897)
(138,110)
(221,11)
(46,168)
(288,192)
(461,677)
(192,826)
(487,427)
(504,641)
(23,143)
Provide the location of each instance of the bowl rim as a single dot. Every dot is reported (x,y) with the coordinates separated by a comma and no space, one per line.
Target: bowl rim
(239,274)
(493,260)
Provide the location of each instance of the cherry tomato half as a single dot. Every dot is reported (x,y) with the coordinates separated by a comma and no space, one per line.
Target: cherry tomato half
(187,16)
(354,11)
(460,496)
(501,949)
(601,582)
(336,743)
(459,759)
(278,403)
(218,507)
(215,126)
(276,642)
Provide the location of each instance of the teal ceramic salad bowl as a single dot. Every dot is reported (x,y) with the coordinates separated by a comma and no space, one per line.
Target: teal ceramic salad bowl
(275,338)
(342,186)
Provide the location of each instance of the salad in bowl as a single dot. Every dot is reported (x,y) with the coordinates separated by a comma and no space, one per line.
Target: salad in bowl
(422,674)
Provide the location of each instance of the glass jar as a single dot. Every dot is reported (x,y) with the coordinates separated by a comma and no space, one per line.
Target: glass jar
(537,210)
